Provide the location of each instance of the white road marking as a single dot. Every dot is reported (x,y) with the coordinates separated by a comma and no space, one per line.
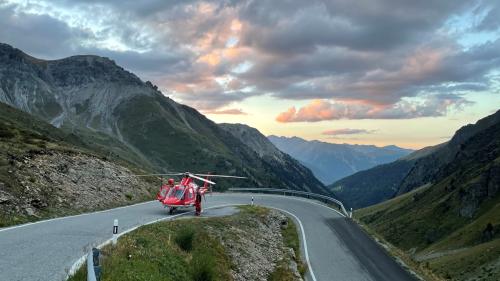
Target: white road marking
(298,198)
(147,202)
(303,239)
(69,217)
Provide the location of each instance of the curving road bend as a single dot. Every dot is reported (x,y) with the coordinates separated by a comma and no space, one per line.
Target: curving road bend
(336,247)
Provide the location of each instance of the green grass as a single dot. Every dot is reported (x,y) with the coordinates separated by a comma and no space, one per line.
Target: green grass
(291,240)
(480,262)
(282,273)
(184,238)
(161,252)
(150,253)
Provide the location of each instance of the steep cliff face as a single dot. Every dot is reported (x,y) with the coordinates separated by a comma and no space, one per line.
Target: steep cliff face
(288,170)
(112,110)
(75,91)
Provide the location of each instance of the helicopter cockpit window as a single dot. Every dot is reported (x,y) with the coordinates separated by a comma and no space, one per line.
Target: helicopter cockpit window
(179,193)
(163,192)
(171,192)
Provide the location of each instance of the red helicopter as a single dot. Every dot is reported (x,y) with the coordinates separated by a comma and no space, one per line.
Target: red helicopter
(184,194)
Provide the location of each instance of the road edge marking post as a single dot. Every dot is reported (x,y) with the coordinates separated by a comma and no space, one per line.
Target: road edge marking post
(115,231)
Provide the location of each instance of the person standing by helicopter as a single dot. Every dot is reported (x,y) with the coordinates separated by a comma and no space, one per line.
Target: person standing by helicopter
(197,203)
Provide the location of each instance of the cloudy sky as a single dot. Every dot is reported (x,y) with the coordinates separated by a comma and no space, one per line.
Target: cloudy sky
(380,72)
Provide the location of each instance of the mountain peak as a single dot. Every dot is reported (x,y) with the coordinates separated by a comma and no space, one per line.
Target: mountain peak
(82,69)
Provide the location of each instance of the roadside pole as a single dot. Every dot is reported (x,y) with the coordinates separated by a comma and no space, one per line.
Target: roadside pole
(115,231)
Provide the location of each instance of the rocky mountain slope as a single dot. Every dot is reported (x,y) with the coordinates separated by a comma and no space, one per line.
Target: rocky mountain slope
(330,162)
(419,168)
(46,172)
(103,104)
(429,168)
(377,184)
(451,224)
(294,171)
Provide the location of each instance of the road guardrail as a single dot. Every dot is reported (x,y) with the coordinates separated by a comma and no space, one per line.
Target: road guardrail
(323,198)
(93,267)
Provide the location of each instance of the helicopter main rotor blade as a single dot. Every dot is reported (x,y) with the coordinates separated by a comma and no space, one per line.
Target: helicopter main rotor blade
(220,176)
(202,179)
(151,175)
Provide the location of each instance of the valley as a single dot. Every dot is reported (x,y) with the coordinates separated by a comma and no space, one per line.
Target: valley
(250,140)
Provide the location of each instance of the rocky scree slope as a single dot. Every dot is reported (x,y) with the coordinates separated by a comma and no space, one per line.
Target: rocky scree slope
(330,162)
(103,104)
(451,225)
(46,172)
(284,166)
(256,246)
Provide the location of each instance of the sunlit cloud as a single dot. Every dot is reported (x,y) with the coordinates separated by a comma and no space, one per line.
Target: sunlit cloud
(321,110)
(231,111)
(346,131)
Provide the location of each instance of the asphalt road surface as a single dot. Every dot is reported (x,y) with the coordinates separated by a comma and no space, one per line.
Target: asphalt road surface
(336,248)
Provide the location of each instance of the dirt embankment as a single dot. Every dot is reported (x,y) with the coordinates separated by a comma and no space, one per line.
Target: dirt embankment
(256,246)
(52,183)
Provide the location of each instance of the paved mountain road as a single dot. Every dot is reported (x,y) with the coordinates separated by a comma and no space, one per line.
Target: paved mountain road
(336,247)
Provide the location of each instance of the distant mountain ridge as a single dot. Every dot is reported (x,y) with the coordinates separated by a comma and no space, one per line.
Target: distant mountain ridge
(330,162)
(103,104)
(376,184)
(277,159)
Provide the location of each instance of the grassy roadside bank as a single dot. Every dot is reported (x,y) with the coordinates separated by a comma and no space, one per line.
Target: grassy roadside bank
(254,244)
(409,234)
(400,256)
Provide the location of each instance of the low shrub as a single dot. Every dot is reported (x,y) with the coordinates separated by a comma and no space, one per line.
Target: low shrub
(203,265)
(184,238)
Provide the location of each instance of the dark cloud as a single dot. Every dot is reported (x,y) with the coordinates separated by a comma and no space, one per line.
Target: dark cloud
(149,64)
(491,21)
(380,78)
(355,55)
(39,35)
(301,26)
